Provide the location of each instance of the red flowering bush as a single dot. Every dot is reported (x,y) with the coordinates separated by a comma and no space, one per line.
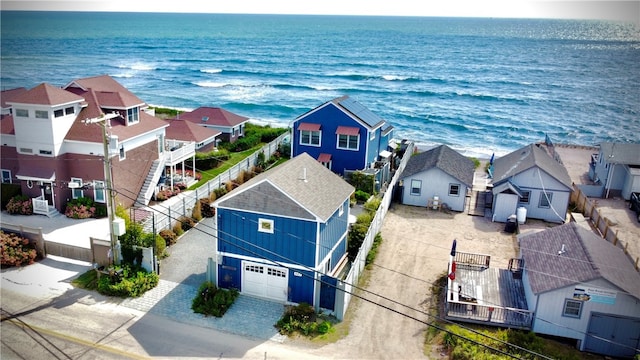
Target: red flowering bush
(163,195)
(196,175)
(16,251)
(20,204)
(80,208)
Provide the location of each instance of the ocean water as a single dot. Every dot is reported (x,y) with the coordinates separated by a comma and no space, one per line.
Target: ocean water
(480,85)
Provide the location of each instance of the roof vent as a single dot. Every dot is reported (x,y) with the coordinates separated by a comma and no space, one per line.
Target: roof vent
(562,251)
(304,174)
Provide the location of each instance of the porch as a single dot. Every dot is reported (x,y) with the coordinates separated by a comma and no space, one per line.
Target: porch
(477,293)
(41,207)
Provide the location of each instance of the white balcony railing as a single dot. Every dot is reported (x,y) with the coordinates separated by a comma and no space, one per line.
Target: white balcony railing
(179,151)
(40,205)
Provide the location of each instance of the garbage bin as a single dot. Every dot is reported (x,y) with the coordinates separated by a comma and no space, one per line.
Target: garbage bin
(511,225)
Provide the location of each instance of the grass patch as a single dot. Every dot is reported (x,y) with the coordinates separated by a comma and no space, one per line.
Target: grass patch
(235,157)
(87,281)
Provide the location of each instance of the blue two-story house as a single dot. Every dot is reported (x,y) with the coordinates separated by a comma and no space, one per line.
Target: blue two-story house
(345,136)
(282,232)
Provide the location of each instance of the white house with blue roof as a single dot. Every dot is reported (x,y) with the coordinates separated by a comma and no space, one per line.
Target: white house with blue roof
(345,136)
(282,235)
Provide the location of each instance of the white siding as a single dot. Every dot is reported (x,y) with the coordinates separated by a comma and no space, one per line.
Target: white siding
(548,313)
(537,181)
(435,182)
(504,205)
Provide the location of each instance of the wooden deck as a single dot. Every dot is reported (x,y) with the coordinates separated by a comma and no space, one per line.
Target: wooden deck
(492,296)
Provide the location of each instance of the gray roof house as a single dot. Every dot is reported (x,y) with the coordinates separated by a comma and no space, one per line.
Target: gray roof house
(533,181)
(582,287)
(438,176)
(616,167)
(282,230)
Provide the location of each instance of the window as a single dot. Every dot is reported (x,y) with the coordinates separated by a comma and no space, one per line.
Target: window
(545,199)
(132,116)
(327,266)
(70,110)
(45,152)
(416,186)
(276,273)
(77,192)
(348,142)
(22,113)
(454,189)
(341,211)
(240,129)
(265,225)
(308,137)
(99,192)
(26,151)
(160,144)
(6,176)
(122,154)
(525,197)
(58,113)
(572,308)
(42,114)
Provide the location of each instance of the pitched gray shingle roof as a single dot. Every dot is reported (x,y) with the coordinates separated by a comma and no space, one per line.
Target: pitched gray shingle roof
(445,159)
(621,153)
(586,257)
(526,158)
(301,187)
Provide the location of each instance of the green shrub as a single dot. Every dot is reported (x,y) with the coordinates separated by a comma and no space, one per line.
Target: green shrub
(177,228)
(8,191)
(357,233)
(161,246)
(211,301)
(362,196)
(133,282)
(16,250)
(220,192)
(304,320)
(373,204)
(371,255)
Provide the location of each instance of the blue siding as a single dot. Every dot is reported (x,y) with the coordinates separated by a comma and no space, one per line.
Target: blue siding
(338,253)
(334,230)
(229,273)
(293,240)
(301,287)
(373,147)
(328,292)
(330,117)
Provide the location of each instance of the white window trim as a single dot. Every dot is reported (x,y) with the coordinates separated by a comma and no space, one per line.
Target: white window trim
(347,147)
(131,111)
(564,308)
(528,197)
(77,191)
(265,225)
(99,186)
(419,187)
(310,143)
(341,210)
(459,189)
(19,111)
(40,112)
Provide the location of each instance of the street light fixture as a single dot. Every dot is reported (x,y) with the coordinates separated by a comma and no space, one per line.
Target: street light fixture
(103,121)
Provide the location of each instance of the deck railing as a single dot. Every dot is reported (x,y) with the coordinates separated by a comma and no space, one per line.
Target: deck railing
(490,315)
(180,152)
(472,260)
(40,205)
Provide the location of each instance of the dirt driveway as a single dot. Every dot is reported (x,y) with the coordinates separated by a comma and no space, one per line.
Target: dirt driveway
(415,251)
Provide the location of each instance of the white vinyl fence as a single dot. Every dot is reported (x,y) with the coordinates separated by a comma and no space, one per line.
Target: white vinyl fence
(166,214)
(344,297)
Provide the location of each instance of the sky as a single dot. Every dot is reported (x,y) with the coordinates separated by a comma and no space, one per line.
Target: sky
(628,11)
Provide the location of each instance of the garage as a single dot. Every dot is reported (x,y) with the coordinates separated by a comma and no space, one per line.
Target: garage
(265,281)
(613,335)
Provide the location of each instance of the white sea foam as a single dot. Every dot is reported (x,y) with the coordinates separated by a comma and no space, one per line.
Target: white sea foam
(394,77)
(211,71)
(213,84)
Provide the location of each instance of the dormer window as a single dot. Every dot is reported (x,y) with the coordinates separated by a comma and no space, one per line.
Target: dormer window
(42,114)
(133,115)
(22,113)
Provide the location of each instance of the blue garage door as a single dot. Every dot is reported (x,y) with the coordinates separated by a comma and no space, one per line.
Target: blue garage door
(613,335)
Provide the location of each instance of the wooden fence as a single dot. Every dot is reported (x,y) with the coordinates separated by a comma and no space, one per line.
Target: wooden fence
(343,297)
(599,222)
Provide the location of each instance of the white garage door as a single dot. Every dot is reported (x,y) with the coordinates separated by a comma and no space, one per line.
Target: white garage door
(265,281)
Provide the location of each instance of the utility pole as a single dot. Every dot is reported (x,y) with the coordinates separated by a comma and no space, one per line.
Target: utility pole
(103,122)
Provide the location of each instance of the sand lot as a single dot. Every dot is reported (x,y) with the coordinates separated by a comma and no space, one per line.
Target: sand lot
(390,323)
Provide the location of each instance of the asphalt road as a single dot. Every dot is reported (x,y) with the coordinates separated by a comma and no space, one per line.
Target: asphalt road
(84,325)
